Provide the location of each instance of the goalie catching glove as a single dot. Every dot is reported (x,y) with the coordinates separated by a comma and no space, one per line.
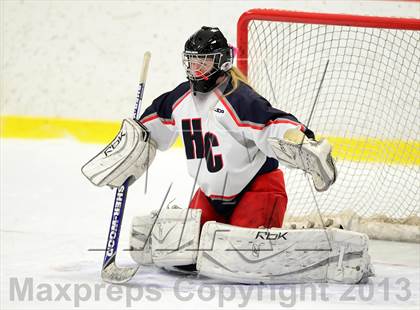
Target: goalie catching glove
(314,157)
(128,156)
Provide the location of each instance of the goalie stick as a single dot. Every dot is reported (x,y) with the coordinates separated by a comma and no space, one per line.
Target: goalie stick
(110,271)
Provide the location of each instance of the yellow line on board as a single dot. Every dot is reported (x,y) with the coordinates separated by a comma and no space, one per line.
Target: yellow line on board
(50,128)
(372,150)
(93,131)
(86,131)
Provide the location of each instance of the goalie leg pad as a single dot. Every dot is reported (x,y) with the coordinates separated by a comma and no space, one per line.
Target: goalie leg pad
(128,155)
(140,236)
(173,237)
(275,256)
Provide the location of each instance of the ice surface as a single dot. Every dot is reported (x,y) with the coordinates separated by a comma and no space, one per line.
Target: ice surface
(51,216)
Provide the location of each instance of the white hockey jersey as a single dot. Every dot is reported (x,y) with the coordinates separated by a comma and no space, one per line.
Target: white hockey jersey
(225,136)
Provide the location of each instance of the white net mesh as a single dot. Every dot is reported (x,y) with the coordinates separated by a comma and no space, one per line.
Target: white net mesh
(368,108)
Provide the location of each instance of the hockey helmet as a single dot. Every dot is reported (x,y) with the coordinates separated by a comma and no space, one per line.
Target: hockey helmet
(206,57)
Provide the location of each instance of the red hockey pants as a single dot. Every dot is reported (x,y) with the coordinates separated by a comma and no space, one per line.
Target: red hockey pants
(263,204)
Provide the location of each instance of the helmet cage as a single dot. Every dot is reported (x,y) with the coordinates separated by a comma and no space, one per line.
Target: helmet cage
(201,66)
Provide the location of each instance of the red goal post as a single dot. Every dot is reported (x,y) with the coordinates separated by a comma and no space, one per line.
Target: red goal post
(368,107)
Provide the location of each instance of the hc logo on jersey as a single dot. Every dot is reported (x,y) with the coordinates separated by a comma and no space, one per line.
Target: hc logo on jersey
(197,146)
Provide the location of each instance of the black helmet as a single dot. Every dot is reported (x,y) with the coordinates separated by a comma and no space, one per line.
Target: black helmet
(207,56)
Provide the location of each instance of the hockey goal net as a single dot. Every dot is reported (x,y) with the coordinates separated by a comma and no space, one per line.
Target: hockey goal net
(368,108)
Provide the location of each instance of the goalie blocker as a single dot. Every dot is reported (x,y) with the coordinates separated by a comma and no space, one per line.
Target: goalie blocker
(246,255)
(127,156)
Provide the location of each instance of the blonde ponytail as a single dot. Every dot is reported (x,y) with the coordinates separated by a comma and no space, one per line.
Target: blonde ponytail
(237,76)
